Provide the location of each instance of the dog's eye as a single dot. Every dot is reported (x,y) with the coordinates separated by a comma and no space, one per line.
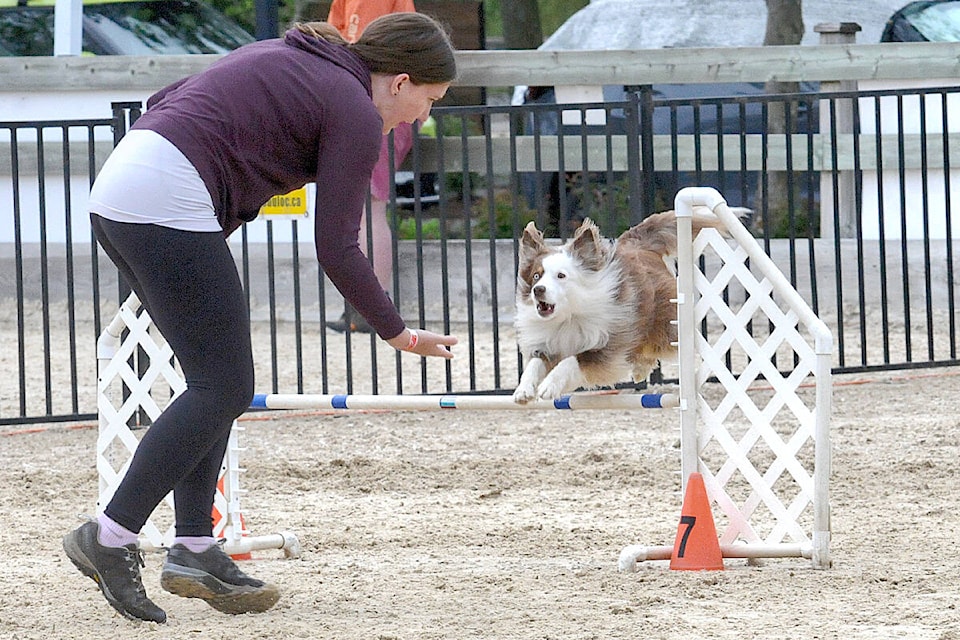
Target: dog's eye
(536,277)
(561,275)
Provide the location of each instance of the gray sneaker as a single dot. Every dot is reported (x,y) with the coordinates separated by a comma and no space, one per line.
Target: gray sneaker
(116,570)
(213,576)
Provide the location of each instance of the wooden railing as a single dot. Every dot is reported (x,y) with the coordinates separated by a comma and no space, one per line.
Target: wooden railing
(891,61)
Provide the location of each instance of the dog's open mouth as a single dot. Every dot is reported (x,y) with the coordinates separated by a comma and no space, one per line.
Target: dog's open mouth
(544,309)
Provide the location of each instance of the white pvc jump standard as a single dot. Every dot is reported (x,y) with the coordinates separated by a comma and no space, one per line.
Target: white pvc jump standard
(121,343)
(703,425)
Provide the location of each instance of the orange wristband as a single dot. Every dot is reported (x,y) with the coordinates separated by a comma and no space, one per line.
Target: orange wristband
(414,338)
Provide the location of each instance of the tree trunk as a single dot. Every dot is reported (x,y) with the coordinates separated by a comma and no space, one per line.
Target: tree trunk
(310,10)
(521,24)
(784,22)
(784,27)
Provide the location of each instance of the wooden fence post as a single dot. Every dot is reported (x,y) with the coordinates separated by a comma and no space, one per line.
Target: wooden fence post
(845,201)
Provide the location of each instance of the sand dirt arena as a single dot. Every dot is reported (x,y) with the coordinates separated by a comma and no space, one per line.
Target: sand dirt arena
(454,524)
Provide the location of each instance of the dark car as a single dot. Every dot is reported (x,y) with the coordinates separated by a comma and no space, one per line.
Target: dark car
(408,192)
(136,27)
(924,21)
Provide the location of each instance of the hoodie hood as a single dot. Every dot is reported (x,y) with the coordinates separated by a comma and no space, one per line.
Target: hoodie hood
(339,55)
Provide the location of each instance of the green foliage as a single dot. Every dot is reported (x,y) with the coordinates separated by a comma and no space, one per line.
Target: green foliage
(242,11)
(245,14)
(429,229)
(506,221)
(553,13)
(786,212)
(607,204)
(784,224)
(453,126)
(492,21)
(456,184)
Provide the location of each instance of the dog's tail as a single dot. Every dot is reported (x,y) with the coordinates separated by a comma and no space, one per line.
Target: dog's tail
(658,232)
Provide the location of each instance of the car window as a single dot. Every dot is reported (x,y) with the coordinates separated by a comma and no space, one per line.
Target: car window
(924,21)
(27,31)
(168,27)
(126,28)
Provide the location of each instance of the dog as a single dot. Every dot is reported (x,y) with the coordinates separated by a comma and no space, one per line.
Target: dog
(592,313)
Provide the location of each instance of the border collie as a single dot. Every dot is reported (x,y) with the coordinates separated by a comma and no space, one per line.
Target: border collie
(592,312)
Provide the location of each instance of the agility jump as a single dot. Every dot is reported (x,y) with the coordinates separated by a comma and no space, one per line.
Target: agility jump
(765,461)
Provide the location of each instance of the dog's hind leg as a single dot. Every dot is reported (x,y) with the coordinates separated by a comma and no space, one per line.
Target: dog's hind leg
(642,368)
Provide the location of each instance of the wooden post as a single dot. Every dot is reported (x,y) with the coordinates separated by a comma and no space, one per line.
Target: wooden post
(837,33)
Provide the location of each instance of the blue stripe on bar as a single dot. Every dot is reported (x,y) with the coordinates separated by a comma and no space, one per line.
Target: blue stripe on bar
(448,402)
(563,402)
(259,401)
(339,401)
(651,401)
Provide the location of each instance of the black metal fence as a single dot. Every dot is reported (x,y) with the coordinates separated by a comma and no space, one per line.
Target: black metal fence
(850,194)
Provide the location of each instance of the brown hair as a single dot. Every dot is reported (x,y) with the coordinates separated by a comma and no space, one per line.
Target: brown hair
(411,43)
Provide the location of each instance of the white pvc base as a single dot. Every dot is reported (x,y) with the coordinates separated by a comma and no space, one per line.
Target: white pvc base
(286,541)
(633,554)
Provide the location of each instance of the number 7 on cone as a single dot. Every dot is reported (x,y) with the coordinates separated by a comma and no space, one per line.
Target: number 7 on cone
(696,547)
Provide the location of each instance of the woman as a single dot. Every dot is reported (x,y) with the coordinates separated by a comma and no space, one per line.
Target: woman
(207,153)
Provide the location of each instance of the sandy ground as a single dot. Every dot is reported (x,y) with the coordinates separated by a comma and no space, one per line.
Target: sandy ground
(509,525)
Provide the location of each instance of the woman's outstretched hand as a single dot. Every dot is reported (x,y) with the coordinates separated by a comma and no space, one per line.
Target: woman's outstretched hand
(424,343)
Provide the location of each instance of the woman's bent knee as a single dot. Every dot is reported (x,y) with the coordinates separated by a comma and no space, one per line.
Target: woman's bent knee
(240,399)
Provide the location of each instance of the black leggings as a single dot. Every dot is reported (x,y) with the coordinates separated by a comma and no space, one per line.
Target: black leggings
(188,283)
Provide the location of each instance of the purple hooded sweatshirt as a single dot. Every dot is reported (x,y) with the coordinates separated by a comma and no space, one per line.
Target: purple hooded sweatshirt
(271,116)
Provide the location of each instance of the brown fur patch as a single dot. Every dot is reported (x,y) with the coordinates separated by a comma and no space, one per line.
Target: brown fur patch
(532,251)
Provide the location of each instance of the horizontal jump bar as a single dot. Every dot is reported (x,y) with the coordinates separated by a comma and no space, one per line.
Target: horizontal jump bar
(429,402)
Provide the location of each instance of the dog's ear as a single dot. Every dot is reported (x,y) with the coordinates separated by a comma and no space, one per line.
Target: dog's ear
(587,245)
(531,242)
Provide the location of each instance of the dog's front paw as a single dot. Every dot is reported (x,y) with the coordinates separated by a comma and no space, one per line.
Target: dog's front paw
(532,374)
(524,393)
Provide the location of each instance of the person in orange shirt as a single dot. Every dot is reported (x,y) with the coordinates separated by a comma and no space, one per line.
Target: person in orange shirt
(351,17)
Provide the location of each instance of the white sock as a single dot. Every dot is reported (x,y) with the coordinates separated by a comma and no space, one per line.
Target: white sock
(112,534)
(196,544)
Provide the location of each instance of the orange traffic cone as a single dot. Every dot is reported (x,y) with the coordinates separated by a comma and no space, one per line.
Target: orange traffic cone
(243,527)
(696,547)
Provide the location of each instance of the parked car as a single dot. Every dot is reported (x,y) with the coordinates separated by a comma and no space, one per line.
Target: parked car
(658,24)
(128,27)
(924,21)
(429,189)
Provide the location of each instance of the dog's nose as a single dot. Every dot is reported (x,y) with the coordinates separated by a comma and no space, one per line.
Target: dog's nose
(538,290)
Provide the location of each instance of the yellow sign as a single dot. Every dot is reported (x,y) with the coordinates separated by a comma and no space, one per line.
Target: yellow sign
(289,204)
